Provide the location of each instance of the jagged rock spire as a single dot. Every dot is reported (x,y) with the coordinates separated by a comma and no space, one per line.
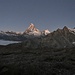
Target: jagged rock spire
(65,28)
(31,28)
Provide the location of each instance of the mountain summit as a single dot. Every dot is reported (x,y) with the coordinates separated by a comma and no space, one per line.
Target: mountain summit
(32,30)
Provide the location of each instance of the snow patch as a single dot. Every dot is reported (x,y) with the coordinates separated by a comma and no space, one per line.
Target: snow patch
(47,32)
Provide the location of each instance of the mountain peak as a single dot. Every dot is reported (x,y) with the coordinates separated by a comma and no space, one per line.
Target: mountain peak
(65,28)
(31,26)
(31,29)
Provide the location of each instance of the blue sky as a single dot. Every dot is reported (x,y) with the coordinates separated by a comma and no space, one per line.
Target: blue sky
(16,15)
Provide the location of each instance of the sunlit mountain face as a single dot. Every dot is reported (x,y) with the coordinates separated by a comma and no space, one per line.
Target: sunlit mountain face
(31,31)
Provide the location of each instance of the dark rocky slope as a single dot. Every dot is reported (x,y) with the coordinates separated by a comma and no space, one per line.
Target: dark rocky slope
(18,60)
(61,38)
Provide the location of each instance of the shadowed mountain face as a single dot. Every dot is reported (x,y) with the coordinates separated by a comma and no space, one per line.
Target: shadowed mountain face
(61,38)
(31,28)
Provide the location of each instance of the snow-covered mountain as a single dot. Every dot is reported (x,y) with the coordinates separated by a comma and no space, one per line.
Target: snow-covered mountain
(10,33)
(45,32)
(32,30)
(59,38)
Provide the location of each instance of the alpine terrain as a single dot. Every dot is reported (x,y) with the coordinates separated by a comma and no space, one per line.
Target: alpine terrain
(39,52)
(60,38)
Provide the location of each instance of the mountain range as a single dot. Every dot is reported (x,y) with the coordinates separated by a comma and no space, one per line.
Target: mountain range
(39,53)
(30,32)
(60,38)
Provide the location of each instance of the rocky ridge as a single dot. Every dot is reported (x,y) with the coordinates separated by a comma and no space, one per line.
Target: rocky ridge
(61,38)
(30,32)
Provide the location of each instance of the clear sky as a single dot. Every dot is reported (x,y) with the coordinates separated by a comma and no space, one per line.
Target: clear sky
(16,15)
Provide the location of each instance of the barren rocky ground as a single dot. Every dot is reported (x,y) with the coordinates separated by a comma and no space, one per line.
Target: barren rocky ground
(18,60)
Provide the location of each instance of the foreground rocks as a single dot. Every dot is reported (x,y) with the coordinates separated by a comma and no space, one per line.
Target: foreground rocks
(18,60)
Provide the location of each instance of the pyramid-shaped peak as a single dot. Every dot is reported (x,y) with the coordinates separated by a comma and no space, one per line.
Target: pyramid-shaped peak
(65,28)
(31,26)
